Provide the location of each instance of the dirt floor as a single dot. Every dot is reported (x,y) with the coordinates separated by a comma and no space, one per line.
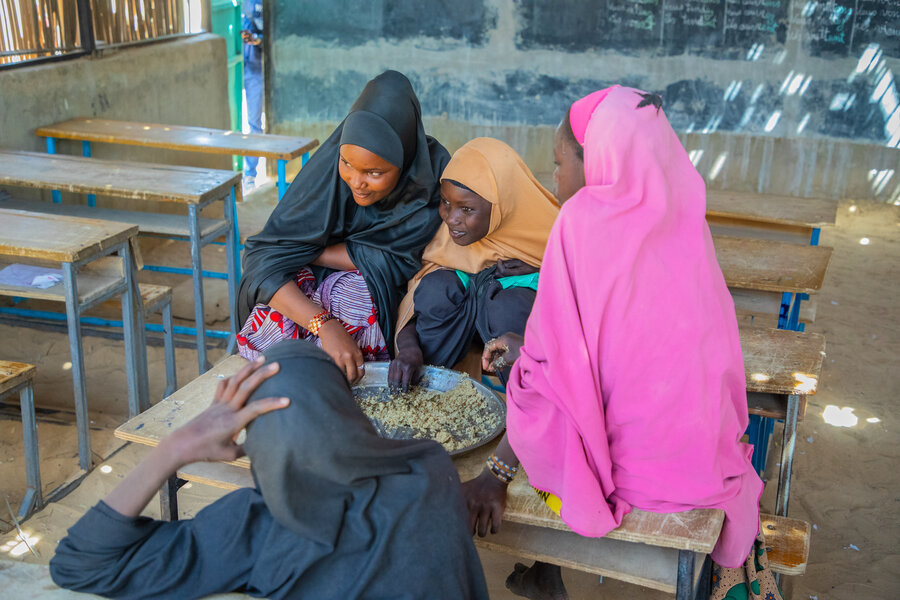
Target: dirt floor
(846,482)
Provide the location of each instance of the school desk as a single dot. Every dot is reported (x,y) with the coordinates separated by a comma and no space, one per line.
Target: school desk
(84,249)
(191,187)
(281,148)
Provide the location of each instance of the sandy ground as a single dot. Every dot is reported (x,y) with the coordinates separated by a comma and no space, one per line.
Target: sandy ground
(846,480)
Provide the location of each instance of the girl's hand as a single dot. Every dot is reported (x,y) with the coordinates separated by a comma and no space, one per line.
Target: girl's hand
(486,500)
(501,352)
(342,349)
(514,266)
(404,370)
(212,435)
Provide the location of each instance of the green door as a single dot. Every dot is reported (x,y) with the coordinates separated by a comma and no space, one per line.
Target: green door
(226,21)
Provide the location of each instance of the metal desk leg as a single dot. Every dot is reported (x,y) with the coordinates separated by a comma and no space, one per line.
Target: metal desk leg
(33,498)
(684,584)
(51,149)
(794,323)
(168,498)
(231,249)
(787,456)
(196,265)
(282,179)
(169,345)
(86,152)
(135,342)
(76,352)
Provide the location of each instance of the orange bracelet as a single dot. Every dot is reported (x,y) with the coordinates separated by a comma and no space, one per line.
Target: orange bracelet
(317,321)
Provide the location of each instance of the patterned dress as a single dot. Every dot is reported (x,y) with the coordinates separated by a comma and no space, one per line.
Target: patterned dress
(344,294)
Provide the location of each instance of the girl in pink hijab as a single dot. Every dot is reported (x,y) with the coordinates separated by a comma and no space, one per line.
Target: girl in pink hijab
(629,390)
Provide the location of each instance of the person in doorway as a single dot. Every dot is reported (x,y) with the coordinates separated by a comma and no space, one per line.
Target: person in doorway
(337,512)
(331,263)
(480,271)
(628,389)
(252,36)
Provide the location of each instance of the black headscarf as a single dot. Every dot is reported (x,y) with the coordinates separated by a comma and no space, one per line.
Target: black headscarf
(385,240)
(393,509)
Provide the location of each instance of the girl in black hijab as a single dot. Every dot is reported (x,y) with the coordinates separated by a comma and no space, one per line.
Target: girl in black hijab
(337,512)
(335,256)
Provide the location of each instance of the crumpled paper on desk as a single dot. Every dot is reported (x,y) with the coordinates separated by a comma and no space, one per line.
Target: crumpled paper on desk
(30,276)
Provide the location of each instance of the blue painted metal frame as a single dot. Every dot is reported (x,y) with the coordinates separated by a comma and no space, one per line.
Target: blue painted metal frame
(98,322)
(86,151)
(51,149)
(282,177)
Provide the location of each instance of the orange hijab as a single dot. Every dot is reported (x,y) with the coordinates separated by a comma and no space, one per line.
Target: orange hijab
(522,214)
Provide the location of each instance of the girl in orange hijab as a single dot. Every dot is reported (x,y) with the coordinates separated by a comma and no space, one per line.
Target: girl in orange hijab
(479,273)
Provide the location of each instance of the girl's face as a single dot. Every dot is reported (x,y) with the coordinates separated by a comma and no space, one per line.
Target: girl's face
(369,177)
(467,215)
(569,172)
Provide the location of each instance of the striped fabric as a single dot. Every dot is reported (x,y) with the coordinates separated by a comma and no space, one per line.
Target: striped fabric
(344,294)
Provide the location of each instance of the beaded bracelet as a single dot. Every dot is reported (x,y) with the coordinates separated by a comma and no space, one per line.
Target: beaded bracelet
(499,475)
(317,321)
(505,467)
(500,470)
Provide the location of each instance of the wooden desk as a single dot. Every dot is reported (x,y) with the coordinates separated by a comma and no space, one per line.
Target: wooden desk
(764,276)
(782,218)
(195,188)
(80,246)
(281,148)
(782,369)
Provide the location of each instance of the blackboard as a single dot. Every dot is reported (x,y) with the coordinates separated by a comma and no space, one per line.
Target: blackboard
(725,29)
(351,22)
(848,27)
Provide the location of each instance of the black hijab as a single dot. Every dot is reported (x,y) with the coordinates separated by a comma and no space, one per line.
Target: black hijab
(385,241)
(389,511)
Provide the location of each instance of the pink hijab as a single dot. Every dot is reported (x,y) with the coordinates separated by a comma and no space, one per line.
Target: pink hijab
(630,389)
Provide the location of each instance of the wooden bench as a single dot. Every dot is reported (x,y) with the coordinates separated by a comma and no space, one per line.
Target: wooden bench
(79,245)
(16,377)
(767,216)
(281,148)
(647,549)
(194,188)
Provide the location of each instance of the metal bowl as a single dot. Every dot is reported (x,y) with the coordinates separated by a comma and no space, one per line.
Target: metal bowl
(375,384)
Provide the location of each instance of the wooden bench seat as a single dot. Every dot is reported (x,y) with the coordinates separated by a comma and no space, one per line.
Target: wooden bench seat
(147,222)
(693,530)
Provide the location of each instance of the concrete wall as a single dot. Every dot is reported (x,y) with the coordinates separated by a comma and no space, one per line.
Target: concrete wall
(178,82)
(510,69)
